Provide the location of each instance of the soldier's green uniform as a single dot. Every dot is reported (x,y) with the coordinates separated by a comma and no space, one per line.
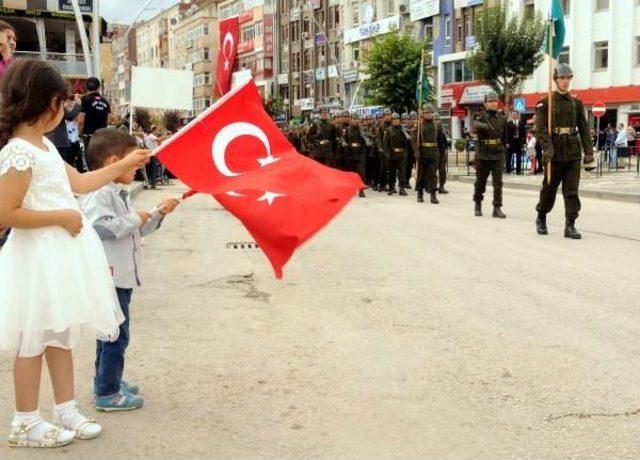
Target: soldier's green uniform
(323,136)
(443,162)
(428,156)
(355,145)
(383,124)
(395,147)
(491,127)
(570,136)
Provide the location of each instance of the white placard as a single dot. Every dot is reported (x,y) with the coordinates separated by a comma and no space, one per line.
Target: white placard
(421,9)
(370,30)
(167,89)
(475,94)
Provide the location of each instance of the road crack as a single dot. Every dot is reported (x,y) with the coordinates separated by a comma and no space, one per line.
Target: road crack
(583,415)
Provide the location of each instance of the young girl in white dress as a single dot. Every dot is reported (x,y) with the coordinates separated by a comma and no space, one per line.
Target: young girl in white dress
(55,284)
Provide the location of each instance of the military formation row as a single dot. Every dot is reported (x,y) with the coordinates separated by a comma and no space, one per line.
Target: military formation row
(382,150)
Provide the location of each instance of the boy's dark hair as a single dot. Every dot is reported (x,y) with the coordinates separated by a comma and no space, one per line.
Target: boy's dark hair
(28,88)
(108,142)
(4,25)
(93,84)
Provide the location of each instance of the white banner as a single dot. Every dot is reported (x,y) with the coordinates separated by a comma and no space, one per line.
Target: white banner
(167,89)
(475,94)
(421,9)
(371,30)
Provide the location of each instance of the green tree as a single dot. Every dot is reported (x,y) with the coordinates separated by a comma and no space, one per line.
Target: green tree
(507,50)
(273,105)
(171,120)
(142,118)
(393,64)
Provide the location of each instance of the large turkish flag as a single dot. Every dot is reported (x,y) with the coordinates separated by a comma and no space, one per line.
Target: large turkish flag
(235,152)
(229,36)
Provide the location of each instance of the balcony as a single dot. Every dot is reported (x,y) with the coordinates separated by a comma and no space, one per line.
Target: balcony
(69,65)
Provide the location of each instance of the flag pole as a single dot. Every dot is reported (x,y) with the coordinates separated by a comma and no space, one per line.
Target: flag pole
(421,83)
(550,95)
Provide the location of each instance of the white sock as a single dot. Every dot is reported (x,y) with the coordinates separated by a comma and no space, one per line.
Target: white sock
(38,425)
(72,418)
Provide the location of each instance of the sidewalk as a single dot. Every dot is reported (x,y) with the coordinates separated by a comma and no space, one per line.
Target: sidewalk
(617,186)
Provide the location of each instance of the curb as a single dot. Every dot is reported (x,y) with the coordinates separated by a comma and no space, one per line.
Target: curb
(603,195)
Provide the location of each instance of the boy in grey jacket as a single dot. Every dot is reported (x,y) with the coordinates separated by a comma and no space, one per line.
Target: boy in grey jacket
(120,228)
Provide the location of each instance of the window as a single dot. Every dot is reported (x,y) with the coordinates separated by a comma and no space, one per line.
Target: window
(447,30)
(356,52)
(456,72)
(637,50)
(564,57)
(202,79)
(308,64)
(356,14)
(259,28)
(601,61)
(459,30)
(529,9)
(566,7)
(232,9)
(468,25)
(391,7)
(248,33)
(602,5)
(295,31)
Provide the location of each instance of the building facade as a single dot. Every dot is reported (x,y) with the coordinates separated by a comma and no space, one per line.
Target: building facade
(602,45)
(154,36)
(195,42)
(123,57)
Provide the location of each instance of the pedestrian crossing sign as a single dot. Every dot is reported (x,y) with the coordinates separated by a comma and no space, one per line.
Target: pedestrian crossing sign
(519,104)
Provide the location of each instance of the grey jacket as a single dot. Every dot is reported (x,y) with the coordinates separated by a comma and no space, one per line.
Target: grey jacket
(59,136)
(110,212)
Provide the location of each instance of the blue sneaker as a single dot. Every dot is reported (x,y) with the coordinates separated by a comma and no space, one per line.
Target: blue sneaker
(121,401)
(130,388)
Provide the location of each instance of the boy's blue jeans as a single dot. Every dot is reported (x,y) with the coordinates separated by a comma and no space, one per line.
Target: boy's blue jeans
(110,355)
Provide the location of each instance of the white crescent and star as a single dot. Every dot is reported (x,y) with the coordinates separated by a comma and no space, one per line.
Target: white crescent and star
(228,38)
(219,148)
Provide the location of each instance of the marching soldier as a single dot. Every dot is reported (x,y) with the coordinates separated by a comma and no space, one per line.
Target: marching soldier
(491,127)
(563,149)
(395,149)
(410,155)
(355,144)
(413,149)
(428,156)
(323,136)
(372,162)
(383,125)
(443,163)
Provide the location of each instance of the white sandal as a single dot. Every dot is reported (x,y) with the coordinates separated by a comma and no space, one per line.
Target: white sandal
(54,437)
(83,430)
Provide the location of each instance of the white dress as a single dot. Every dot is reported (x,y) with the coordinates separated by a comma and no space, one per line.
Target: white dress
(54,288)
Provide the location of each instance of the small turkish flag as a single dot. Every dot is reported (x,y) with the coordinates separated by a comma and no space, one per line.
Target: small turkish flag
(235,152)
(229,36)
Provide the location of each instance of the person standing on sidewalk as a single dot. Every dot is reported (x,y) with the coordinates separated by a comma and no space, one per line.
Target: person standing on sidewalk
(562,151)
(94,112)
(516,133)
(491,127)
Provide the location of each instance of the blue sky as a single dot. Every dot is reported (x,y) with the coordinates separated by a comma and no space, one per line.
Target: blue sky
(126,10)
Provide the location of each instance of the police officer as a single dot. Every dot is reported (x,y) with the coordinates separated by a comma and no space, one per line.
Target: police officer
(491,127)
(443,163)
(94,111)
(354,142)
(323,136)
(562,151)
(426,140)
(395,149)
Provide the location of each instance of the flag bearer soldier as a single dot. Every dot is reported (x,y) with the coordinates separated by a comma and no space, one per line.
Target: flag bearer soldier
(563,150)
(383,125)
(410,155)
(395,148)
(491,127)
(428,154)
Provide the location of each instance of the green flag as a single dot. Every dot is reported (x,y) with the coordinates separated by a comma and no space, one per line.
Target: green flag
(557,16)
(422,85)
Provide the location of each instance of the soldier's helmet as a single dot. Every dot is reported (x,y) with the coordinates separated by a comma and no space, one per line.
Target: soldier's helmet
(386,112)
(405,116)
(491,97)
(563,70)
(395,115)
(428,108)
(413,115)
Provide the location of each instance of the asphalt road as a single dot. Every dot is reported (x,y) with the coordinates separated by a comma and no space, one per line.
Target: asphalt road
(400,331)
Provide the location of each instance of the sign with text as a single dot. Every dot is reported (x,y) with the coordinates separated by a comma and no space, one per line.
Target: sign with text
(321,74)
(371,30)
(420,9)
(86,6)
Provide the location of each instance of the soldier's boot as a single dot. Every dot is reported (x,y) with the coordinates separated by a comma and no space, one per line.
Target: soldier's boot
(478,210)
(391,191)
(570,230)
(420,196)
(497,212)
(361,194)
(541,224)
(403,192)
(443,190)
(434,198)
